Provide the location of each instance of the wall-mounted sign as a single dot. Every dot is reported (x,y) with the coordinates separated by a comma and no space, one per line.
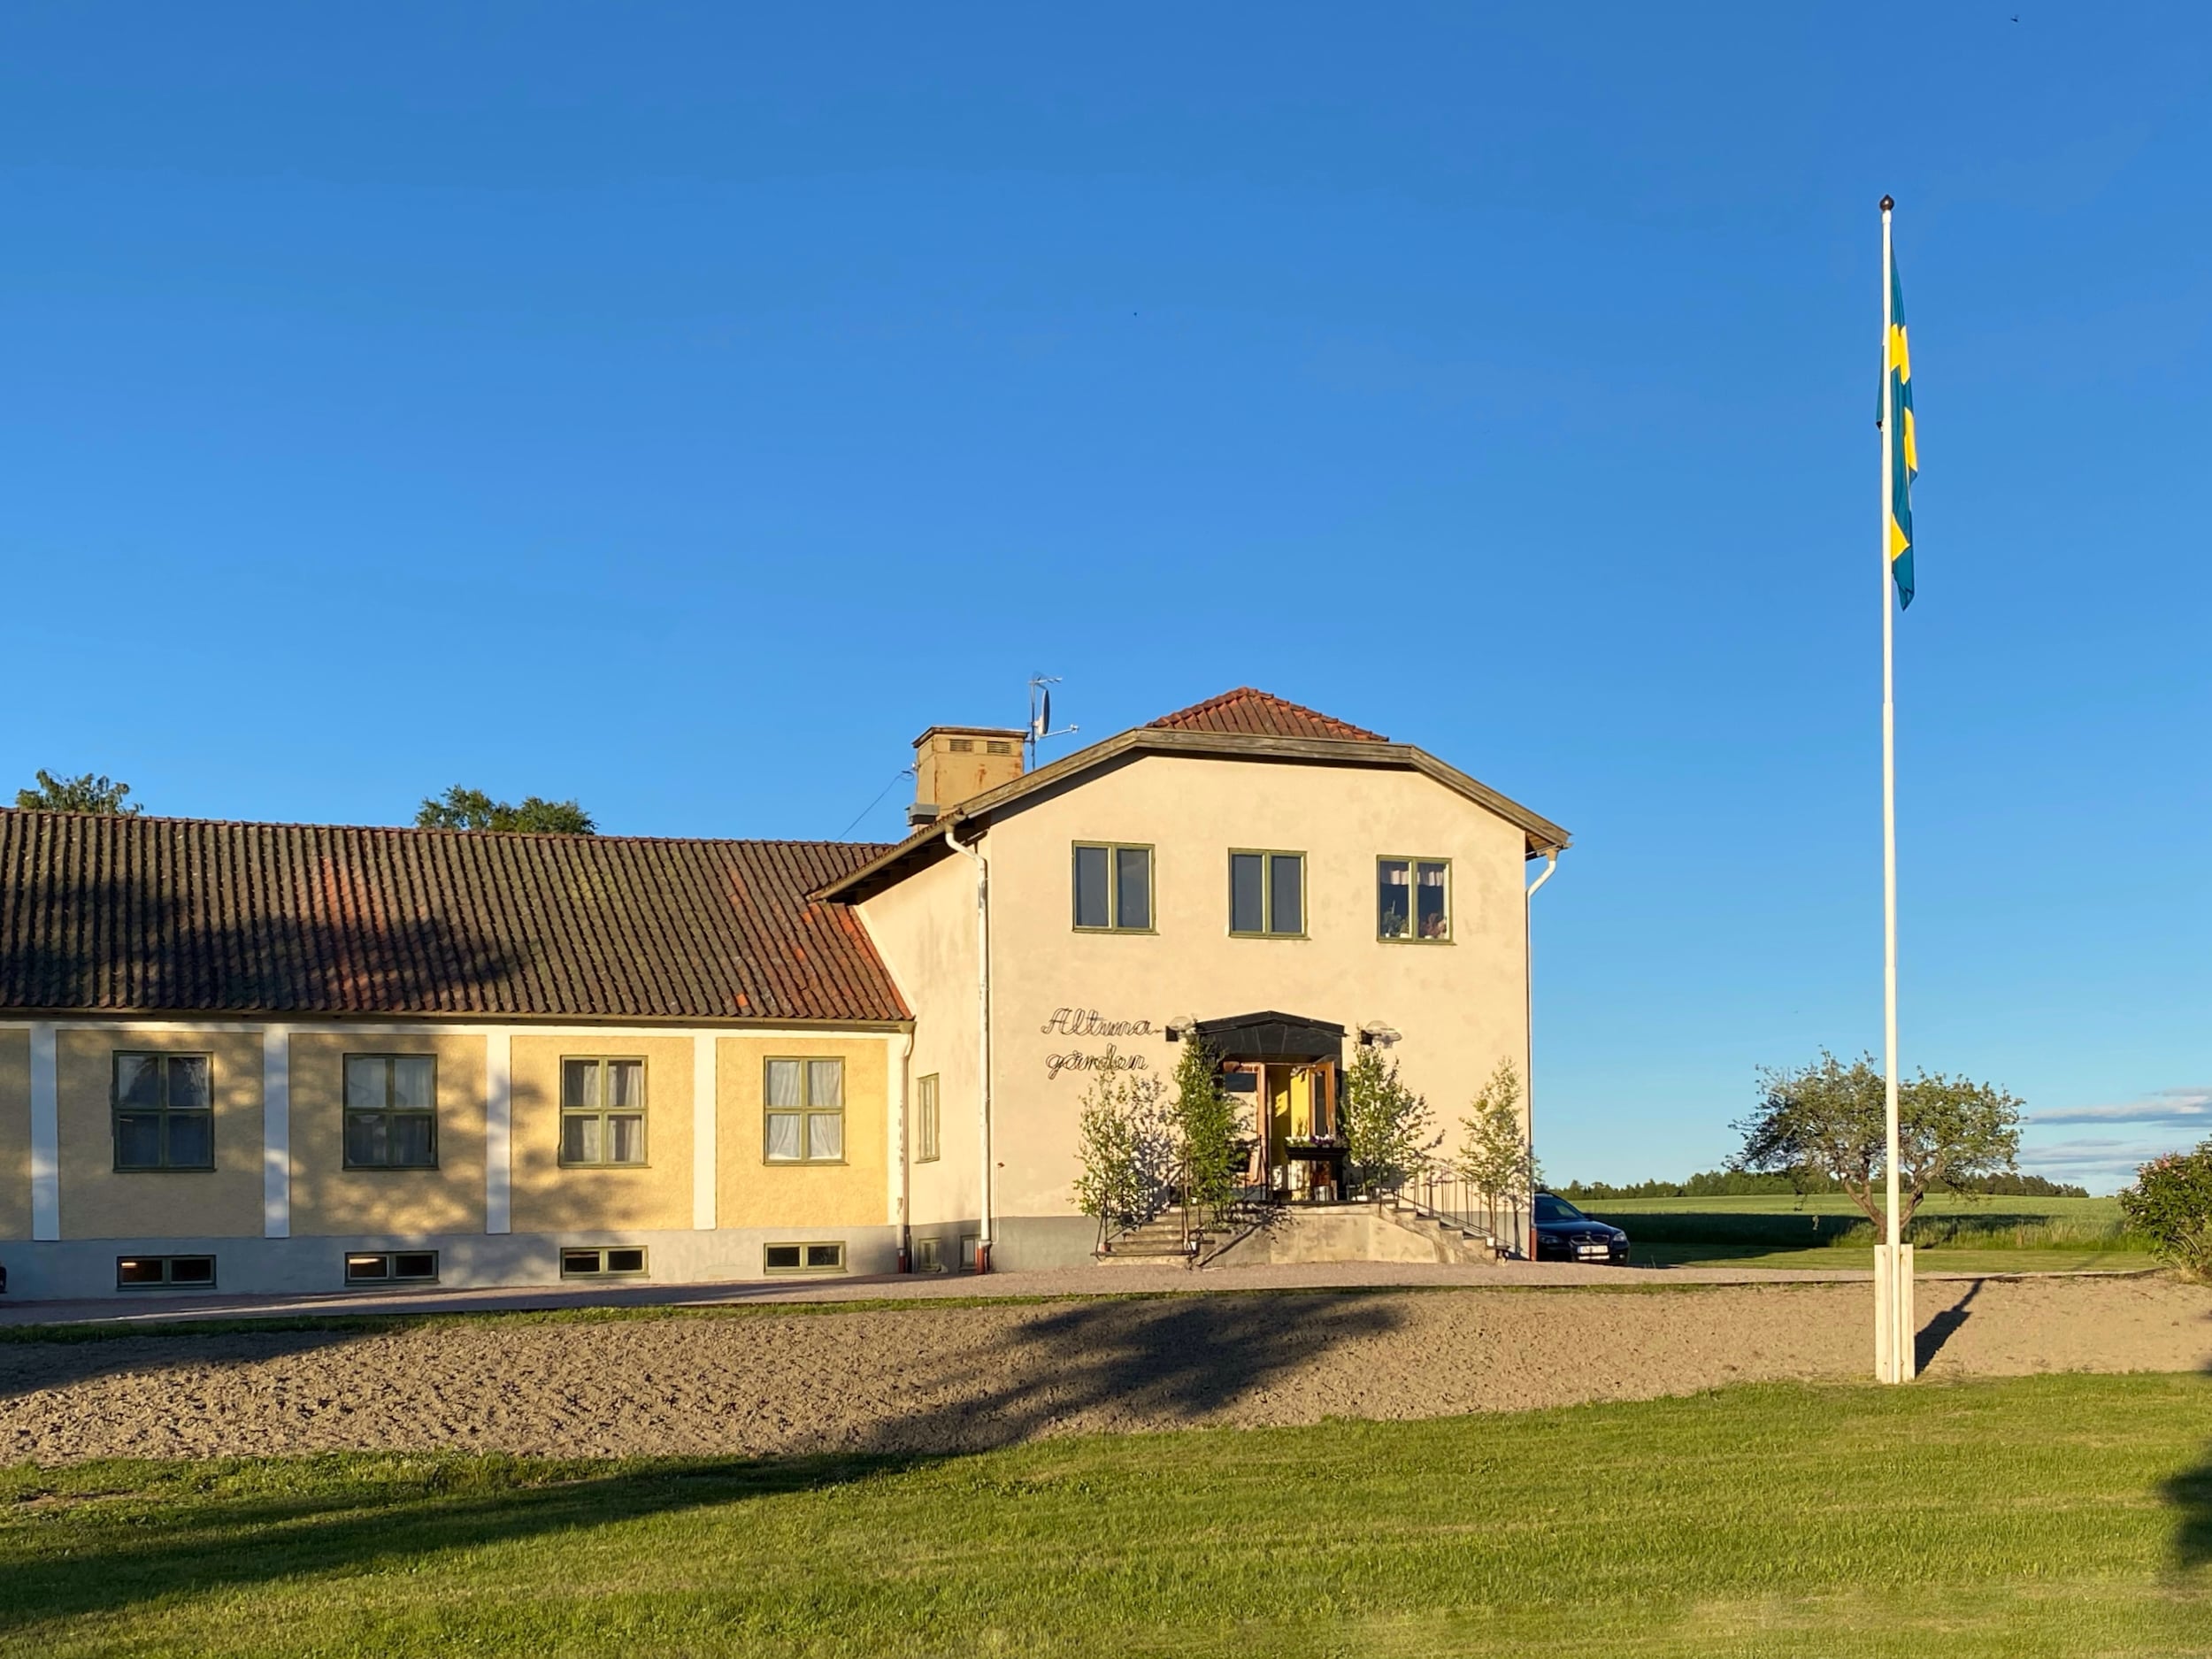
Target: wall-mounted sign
(1088,1022)
(1111,1060)
(1084,1022)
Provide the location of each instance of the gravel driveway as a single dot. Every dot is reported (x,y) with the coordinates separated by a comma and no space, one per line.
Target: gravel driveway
(947,1377)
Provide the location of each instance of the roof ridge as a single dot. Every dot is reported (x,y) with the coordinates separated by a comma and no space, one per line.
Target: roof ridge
(1216,713)
(422,829)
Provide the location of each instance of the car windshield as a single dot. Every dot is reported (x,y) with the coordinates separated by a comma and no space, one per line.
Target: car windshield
(1551,1208)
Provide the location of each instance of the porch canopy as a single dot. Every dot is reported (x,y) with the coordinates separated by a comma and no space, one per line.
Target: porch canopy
(1272,1036)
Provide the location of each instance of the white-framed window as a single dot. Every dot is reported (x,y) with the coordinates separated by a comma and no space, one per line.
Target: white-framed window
(925,1144)
(1413,899)
(804,1112)
(929,1255)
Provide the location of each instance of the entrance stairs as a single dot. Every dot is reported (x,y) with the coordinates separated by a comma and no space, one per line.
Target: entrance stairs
(1455,1242)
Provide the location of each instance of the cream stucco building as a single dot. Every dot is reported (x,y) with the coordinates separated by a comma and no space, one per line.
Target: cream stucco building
(282,1057)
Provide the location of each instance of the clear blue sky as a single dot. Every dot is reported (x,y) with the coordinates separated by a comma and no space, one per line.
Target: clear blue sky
(678,409)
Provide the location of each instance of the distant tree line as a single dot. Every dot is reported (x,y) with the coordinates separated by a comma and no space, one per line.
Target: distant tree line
(458,808)
(1747,1184)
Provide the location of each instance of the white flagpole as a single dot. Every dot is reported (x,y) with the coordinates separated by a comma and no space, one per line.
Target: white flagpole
(1893,1356)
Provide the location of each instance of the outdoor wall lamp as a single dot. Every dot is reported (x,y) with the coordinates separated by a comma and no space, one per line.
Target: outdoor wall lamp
(1181,1024)
(1375,1033)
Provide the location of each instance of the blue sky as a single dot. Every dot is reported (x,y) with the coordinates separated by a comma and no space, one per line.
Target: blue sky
(678,408)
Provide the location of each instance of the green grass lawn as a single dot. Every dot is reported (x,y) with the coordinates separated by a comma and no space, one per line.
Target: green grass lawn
(2048,1516)
(1950,1233)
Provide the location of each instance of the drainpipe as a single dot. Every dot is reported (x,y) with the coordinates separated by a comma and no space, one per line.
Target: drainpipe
(983,1037)
(906,1164)
(1528,988)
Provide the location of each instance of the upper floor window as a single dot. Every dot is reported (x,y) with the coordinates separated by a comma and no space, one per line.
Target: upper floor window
(164,1117)
(391,1111)
(1413,899)
(805,1101)
(602,1112)
(1113,887)
(1267,894)
(925,1119)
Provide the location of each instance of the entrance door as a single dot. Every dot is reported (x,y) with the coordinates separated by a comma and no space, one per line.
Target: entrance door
(1301,1128)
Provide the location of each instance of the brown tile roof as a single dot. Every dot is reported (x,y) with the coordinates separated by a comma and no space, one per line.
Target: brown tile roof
(181,915)
(1254,713)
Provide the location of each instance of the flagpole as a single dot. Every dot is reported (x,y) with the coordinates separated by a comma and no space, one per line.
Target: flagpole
(1893,1356)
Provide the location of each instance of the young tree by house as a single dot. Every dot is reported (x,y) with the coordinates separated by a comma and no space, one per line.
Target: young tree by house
(1495,1158)
(1125,1149)
(1828,1121)
(2171,1204)
(90,793)
(1389,1132)
(1205,1129)
(461,808)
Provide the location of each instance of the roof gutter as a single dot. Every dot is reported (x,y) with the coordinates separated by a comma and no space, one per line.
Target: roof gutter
(982,1263)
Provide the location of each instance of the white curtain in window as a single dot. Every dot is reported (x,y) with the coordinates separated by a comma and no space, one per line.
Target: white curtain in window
(826,1083)
(826,1135)
(783,1137)
(784,1083)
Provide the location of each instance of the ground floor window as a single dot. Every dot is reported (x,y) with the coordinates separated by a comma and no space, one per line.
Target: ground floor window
(382,1267)
(803,1258)
(617,1261)
(148,1272)
(926,1120)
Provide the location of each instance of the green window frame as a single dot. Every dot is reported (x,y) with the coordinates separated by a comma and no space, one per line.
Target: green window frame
(1110,887)
(391,1111)
(602,1112)
(1267,885)
(608,1261)
(927,1149)
(1403,912)
(824,1255)
(163,1110)
(803,1110)
(165,1272)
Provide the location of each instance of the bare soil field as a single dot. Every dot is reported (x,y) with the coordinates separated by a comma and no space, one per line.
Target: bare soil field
(947,1377)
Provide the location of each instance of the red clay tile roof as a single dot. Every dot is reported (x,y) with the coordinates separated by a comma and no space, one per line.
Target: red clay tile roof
(1254,713)
(181,915)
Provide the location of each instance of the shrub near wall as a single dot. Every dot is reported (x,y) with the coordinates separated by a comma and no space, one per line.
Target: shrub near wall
(2171,1204)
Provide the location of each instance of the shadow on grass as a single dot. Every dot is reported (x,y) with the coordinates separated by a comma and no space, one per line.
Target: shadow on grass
(2189,1493)
(190,1528)
(184,1533)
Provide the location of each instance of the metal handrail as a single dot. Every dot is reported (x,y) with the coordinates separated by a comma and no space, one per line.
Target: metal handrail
(1451,1199)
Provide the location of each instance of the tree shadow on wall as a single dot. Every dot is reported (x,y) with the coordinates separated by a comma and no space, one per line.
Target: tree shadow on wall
(135,941)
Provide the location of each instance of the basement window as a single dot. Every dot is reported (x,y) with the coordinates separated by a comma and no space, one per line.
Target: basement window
(619,1261)
(803,1258)
(156,1272)
(928,1255)
(392,1267)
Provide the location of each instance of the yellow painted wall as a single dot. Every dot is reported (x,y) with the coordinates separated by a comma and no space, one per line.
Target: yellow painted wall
(15,1135)
(750,1192)
(328,1198)
(100,1201)
(547,1198)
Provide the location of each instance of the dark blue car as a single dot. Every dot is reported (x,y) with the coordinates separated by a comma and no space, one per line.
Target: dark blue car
(1564,1233)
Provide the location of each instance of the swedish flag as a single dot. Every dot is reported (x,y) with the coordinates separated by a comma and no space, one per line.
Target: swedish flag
(1895,419)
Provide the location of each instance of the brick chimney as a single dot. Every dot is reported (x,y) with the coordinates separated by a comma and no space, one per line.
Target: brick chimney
(953,763)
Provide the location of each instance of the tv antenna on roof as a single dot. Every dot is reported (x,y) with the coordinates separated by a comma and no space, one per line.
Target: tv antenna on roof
(1041,716)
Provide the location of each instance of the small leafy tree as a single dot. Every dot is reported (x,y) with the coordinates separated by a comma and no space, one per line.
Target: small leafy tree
(1495,1158)
(1828,1122)
(464,808)
(90,793)
(1389,1132)
(1125,1149)
(2171,1204)
(1205,1129)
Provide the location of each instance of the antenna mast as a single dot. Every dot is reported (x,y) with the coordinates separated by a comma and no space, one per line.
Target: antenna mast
(1041,717)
